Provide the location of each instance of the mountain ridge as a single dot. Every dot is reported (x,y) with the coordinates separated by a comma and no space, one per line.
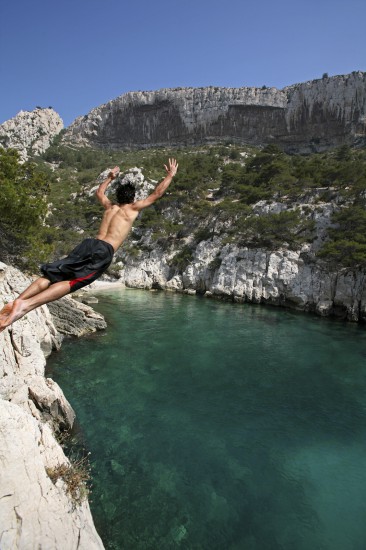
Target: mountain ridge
(304,117)
(311,116)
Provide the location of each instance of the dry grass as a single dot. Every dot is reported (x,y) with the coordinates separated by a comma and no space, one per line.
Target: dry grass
(76,476)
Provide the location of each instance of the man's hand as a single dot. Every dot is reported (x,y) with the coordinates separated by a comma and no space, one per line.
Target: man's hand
(101,196)
(160,189)
(114,173)
(173,167)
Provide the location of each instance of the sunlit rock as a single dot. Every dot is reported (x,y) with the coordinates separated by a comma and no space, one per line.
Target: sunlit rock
(306,117)
(31,132)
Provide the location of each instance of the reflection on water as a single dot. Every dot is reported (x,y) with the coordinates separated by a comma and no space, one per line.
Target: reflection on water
(221,426)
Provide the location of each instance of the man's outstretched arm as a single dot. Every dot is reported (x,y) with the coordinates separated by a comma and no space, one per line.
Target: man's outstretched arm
(160,189)
(100,193)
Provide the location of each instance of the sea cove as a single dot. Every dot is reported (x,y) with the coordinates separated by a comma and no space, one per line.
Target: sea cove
(220,426)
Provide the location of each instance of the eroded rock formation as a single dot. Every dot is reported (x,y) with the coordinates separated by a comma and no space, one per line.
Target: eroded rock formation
(311,116)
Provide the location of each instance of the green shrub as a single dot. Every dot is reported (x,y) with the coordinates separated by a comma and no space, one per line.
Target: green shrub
(234,154)
(215,264)
(182,259)
(274,230)
(23,207)
(347,240)
(229,209)
(203,234)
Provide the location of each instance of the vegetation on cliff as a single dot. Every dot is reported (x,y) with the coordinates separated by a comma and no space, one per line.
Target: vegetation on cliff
(215,193)
(23,209)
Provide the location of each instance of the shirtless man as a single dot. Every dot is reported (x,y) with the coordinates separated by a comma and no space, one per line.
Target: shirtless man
(92,257)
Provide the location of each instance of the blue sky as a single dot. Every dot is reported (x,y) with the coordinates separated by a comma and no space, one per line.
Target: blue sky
(74,55)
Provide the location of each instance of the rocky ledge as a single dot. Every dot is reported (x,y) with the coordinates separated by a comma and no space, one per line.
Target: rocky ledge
(35,512)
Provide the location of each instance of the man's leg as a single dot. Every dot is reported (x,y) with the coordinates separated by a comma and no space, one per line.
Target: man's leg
(39,285)
(35,288)
(23,306)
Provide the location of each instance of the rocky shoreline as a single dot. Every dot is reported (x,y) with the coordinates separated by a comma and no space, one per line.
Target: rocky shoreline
(282,277)
(35,512)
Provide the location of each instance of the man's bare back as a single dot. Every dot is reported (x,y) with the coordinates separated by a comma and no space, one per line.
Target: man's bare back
(62,276)
(116,224)
(118,218)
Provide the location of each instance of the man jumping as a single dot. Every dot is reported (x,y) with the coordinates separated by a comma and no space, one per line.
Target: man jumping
(92,257)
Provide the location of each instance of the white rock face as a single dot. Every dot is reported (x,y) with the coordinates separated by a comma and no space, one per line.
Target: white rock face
(195,107)
(30,132)
(74,318)
(305,117)
(346,95)
(34,513)
(283,278)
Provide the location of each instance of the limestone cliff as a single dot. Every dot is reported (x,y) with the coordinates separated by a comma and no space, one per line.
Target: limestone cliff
(311,116)
(35,512)
(282,277)
(30,132)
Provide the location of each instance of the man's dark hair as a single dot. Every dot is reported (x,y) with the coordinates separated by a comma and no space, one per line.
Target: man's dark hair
(125,193)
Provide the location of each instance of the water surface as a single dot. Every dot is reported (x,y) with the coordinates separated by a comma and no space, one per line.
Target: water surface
(220,426)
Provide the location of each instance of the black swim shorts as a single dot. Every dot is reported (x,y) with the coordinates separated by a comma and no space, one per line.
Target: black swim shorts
(82,266)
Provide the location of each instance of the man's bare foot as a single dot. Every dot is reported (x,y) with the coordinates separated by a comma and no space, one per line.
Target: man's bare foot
(4,312)
(18,310)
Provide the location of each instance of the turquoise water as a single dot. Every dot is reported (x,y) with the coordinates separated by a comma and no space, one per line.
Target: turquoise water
(220,426)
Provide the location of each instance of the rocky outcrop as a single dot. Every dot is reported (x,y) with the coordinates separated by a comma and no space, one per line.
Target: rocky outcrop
(75,318)
(35,512)
(311,116)
(30,132)
(283,277)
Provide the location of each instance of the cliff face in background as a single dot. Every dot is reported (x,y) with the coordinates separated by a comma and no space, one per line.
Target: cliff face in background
(30,132)
(312,116)
(35,512)
(307,117)
(281,278)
